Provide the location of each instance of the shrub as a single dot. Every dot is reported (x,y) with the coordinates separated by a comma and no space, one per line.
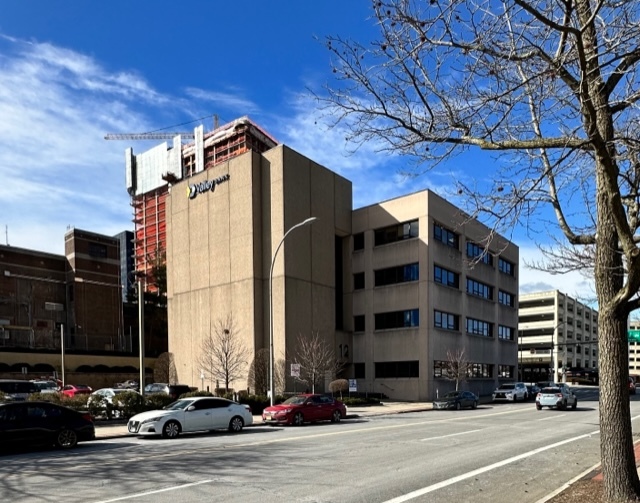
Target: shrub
(339,385)
(156,401)
(355,401)
(46,397)
(78,402)
(196,393)
(3,397)
(129,403)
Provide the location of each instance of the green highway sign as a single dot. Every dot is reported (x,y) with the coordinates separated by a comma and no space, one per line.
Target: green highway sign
(633,335)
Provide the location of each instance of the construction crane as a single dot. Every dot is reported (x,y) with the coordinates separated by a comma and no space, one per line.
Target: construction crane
(159,134)
(147,136)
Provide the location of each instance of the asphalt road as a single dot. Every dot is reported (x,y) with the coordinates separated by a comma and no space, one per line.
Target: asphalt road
(496,453)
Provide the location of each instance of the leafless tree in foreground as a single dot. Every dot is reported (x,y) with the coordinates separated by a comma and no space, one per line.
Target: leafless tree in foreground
(223,356)
(316,359)
(456,367)
(550,87)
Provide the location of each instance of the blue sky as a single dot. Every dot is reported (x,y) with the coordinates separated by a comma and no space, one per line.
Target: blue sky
(72,71)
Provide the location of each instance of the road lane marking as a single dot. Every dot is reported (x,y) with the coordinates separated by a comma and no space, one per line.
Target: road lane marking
(464,476)
(140,495)
(447,436)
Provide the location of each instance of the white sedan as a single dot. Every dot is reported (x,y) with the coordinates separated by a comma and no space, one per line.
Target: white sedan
(192,414)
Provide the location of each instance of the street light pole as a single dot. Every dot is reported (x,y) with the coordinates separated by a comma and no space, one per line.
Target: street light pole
(141,331)
(273,261)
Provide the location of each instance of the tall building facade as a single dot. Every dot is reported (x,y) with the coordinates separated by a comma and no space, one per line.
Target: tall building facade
(425,288)
(557,334)
(392,288)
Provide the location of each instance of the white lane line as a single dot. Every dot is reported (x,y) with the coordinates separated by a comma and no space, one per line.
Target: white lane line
(464,476)
(551,417)
(447,436)
(140,495)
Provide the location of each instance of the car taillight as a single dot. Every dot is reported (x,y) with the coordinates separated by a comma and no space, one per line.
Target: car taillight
(559,395)
(539,396)
(87,416)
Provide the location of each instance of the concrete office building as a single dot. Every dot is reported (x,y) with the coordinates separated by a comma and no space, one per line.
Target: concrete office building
(390,287)
(557,334)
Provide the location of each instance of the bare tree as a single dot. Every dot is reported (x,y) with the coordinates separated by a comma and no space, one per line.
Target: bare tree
(223,356)
(259,373)
(316,359)
(165,369)
(456,367)
(551,88)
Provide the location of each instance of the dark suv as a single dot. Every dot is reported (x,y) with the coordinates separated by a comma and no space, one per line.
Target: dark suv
(173,390)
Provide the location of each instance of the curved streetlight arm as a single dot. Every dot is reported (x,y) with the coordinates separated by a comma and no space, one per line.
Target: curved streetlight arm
(308,221)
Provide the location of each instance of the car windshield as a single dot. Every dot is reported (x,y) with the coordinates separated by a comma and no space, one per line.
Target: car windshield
(295,400)
(179,405)
(508,386)
(452,394)
(121,391)
(46,385)
(549,391)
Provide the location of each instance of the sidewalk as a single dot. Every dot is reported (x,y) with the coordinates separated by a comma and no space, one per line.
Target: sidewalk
(115,429)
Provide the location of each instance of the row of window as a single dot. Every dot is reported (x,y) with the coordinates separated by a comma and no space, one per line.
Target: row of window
(452,279)
(411,369)
(409,230)
(448,321)
(389,276)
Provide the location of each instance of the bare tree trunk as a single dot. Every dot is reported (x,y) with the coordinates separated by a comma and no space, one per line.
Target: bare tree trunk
(621,481)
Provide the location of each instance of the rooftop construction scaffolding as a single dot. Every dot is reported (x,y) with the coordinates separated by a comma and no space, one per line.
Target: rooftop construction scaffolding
(151,174)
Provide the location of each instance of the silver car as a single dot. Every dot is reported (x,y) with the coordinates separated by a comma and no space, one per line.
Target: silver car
(560,397)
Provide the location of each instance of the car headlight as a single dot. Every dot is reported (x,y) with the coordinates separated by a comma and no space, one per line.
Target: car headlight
(151,420)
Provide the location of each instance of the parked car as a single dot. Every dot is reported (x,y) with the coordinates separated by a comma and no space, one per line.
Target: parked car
(456,400)
(43,423)
(46,387)
(560,397)
(632,386)
(130,384)
(306,408)
(533,390)
(72,390)
(175,391)
(192,414)
(510,392)
(16,390)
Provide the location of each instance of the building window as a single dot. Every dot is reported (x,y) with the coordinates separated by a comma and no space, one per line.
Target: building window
(506,333)
(506,298)
(358,281)
(358,371)
(446,277)
(358,323)
(97,250)
(479,327)
(358,241)
(395,233)
(506,371)
(506,267)
(479,289)
(397,319)
(397,369)
(446,236)
(398,274)
(447,321)
(478,252)
(482,370)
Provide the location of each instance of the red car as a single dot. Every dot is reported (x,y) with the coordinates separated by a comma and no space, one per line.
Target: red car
(72,390)
(307,408)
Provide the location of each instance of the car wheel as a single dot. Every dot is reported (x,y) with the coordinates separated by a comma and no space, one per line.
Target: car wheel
(298,419)
(171,429)
(575,404)
(474,405)
(336,417)
(66,439)
(458,406)
(539,407)
(515,398)
(236,424)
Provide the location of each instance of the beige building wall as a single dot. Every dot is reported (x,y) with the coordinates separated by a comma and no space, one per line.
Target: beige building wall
(426,343)
(221,243)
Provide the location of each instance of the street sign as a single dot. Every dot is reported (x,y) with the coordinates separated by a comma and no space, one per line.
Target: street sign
(633,335)
(295,370)
(353,385)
